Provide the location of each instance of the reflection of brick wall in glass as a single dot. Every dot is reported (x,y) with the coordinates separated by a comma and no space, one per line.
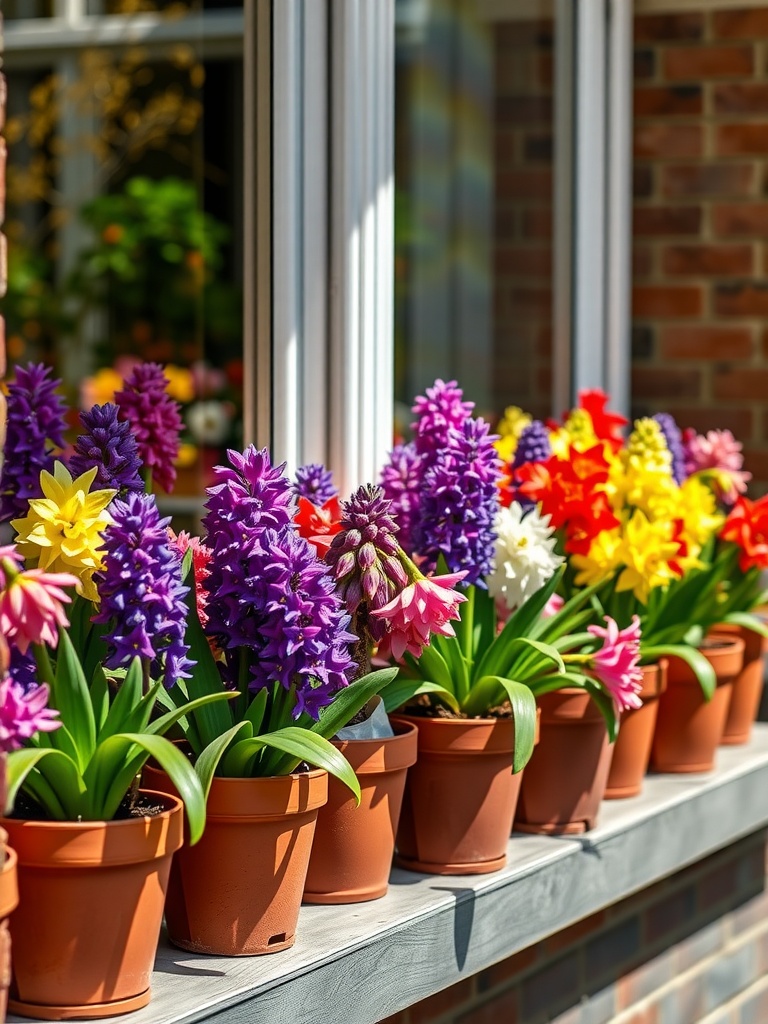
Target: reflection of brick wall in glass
(700,344)
(523,151)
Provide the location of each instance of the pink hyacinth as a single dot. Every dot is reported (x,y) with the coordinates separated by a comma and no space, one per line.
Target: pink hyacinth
(616,663)
(201,556)
(552,607)
(32,605)
(717,450)
(424,607)
(23,713)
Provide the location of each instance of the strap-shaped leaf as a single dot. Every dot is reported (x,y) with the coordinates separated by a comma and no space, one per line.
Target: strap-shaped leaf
(432,665)
(748,621)
(70,694)
(99,698)
(402,690)
(524,712)
(214,719)
(450,650)
(347,702)
(702,669)
(124,703)
(59,804)
(208,762)
(256,710)
(161,725)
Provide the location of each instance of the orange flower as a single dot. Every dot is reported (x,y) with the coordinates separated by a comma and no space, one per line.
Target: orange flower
(747,527)
(607,425)
(318,523)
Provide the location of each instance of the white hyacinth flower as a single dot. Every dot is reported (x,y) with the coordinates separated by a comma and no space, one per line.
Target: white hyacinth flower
(525,555)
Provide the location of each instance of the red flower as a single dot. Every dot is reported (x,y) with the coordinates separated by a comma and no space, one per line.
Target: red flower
(607,425)
(320,524)
(747,527)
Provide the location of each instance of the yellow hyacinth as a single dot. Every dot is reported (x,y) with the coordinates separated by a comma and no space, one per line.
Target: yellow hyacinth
(509,428)
(645,551)
(601,561)
(577,432)
(62,531)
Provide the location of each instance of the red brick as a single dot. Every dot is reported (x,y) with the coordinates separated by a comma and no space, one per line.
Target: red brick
(642,181)
(506,146)
(756,462)
(743,385)
(524,184)
(440,1003)
(660,101)
(741,24)
(501,1010)
(708,179)
(570,936)
(666,301)
(662,139)
(748,298)
(538,148)
(644,64)
(537,222)
(505,223)
(741,139)
(740,98)
(523,261)
(642,261)
(662,382)
(719,260)
(396,1018)
(513,966)
(739,421)
(525,110)
(740,219)
(691,64)
(658,221)
(706,342)
(651,28)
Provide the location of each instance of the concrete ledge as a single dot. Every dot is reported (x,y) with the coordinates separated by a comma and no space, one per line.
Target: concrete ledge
(362,963)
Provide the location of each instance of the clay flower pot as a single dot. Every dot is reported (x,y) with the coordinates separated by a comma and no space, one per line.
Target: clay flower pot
(689,728)
(237,892)
(565,779)
(9,899)
(747,686)
(91,900)
(632,749)
(352,851)
(460,796)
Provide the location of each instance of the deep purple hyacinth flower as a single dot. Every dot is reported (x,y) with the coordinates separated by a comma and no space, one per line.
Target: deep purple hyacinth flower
(249,494)
(533,445)
(23,668)
(109,445)
(459,502)
(142,596)
(364,555)
(438,410)
(674,439)
(401,482)
(35,426)
(315,483)
(155,420)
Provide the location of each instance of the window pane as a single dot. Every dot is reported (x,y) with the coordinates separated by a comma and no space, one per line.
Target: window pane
(473,168)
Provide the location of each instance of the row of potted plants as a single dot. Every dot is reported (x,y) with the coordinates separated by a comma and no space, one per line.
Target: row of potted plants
(492,590)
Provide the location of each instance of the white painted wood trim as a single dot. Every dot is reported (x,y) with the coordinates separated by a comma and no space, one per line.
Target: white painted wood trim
(361,963)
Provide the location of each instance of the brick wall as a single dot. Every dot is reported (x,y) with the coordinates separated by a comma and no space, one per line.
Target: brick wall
(700,304)
(693,947)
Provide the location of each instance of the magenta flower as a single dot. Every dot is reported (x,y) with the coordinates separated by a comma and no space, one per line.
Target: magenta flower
(23,713)
(32,604)
(720,451)
(155,420)
(424,607)
(616,663)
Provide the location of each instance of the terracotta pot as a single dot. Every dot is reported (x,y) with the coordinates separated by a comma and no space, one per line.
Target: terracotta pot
(565,779)
(747,686)
(460,796)
(9,899)
(689,728)
(353,847)
(91,904)
(632,749)
(238,891)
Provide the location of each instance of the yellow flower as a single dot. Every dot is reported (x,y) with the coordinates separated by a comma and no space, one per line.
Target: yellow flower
(509,428)
(100,388)
(181,384)
(601,561)
(646,550)
(697,507)
(577,432)
(62,531)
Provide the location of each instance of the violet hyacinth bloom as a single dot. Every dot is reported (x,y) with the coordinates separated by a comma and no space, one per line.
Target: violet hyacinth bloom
(401,482)
(249,494)
(315,483)
(23,668)
(109,445)
(35,426)
(364,555)
(439,409)
(155,420)
(532,446)
(142,596)
(674,441)
(459,502)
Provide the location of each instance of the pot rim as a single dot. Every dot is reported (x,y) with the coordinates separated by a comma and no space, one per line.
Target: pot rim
(382,754)
(9,888)
(269,796)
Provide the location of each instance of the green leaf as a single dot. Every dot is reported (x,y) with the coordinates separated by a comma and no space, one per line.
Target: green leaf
(161,725)
(431,665)
(71,696)
(748,621)
(524,711)
(125,702)
(208,762)
(99,698)
(702,669)
(66,778)
(256,710)
(211,719)
(350,700)
(404,689)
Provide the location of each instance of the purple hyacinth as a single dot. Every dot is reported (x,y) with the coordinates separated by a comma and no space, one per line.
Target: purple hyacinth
(23,668)
(277,599)
(401,483)
(155,420)
(249,494)
(142,596)
(109,445)
(315,483)
(364,555)
(459,502)
(35,426)
(440,409)
(533,445)
(674,439)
